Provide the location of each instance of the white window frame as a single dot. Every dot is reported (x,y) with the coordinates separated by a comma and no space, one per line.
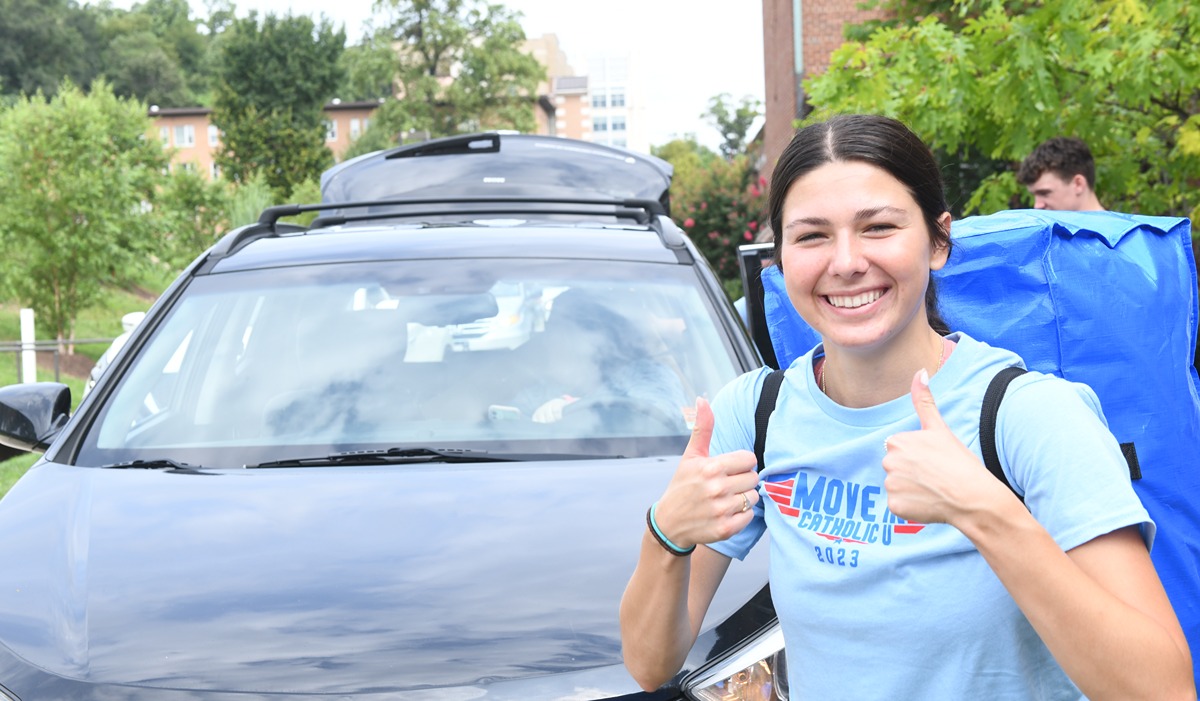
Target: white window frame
(185,135)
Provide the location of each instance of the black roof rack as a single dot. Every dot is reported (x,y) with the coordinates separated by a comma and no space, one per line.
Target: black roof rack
(645,211)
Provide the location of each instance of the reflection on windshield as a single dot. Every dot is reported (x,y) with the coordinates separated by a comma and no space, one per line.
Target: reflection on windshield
(514,356)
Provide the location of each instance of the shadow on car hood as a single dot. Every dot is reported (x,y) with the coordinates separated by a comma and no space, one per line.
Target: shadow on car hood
(328,580)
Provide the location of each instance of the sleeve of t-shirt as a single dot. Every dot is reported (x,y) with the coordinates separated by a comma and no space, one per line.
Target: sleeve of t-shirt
(733,429)
(1062,457)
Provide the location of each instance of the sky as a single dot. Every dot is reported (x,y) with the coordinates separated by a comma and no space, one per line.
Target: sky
(691,50)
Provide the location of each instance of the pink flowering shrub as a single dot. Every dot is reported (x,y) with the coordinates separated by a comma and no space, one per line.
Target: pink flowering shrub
(720,208)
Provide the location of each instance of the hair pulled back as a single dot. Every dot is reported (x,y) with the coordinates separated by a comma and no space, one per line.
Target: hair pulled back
(879,141)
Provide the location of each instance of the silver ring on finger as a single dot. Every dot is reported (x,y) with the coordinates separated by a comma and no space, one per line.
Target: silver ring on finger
(745,502)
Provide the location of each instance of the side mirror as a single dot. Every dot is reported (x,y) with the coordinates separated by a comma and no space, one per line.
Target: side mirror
(32,414)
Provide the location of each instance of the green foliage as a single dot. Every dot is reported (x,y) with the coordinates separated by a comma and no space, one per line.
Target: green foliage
(390,122)
(139,66)
(220,16)
(44,41)
(272,81)
(247,201)
(67,228)
(370,69)
(1123,75)
(12,469)
(719,203)
(691,161)
(307,192)
(732,121)
(156,52)
(190,215)
(494,83)
(272,145)
(897,13)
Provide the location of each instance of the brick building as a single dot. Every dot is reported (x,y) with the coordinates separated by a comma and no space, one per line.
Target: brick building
(196,140)
(798,37)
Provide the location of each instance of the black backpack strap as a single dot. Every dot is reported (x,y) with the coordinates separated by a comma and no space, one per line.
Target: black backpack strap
(762,414)
(987,422)
(987,429)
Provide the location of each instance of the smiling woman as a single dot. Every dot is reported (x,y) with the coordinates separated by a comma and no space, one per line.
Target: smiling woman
(884,522)
(856,254)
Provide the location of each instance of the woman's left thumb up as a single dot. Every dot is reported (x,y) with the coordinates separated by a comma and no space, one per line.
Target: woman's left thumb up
(922,398)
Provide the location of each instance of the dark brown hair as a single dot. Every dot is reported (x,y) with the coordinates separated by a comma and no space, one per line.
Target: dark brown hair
(1065,156)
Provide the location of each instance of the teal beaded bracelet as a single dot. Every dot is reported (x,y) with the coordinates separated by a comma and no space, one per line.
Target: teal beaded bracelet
(662,539)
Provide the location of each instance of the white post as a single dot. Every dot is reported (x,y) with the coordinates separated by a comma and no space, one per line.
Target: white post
(28,353)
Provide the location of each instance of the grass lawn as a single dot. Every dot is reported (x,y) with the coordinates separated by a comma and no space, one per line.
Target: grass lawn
(12,469)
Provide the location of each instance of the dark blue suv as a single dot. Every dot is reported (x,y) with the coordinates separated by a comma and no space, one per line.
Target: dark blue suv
(306,477)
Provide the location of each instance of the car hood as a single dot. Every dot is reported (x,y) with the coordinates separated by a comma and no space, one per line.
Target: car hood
(329,580)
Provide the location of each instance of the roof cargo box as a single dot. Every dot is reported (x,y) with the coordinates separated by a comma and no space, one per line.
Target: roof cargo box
(499,165)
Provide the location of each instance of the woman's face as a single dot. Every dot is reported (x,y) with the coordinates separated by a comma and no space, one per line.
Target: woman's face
(856,255)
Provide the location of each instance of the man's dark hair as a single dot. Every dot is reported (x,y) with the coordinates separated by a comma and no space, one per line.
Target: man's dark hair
(1065,156)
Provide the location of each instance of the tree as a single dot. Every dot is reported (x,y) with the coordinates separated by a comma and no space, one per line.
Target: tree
(720,204)
(43,41)
(137,65)
(689,159)
(1123,75)
(174,38)
(370,70)
(75,171)
(272,81)
(191,212)
(460,66)
(220,16)
(733,122)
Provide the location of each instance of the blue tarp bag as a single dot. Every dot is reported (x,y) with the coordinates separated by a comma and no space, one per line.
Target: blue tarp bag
(1102,298)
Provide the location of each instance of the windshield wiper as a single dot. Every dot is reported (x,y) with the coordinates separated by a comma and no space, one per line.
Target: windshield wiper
(391,456)
(153,464)
(405,456)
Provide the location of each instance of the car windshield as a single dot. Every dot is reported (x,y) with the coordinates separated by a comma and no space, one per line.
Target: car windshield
(507,356)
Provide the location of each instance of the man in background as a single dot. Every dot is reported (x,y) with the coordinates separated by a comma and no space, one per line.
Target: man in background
(1060,174)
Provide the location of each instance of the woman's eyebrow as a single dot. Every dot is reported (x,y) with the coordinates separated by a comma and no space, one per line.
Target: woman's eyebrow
(872,212)
(809,221)
(860,215)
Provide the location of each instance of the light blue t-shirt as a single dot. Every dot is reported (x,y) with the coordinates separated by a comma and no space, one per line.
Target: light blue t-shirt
(875,607)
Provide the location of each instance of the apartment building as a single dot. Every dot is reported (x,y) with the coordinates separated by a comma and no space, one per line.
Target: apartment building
(563,108)
(195,140)
(608,92)
(602,106)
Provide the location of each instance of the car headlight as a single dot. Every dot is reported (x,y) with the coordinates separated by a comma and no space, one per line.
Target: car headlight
(756,671)
(6,695)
